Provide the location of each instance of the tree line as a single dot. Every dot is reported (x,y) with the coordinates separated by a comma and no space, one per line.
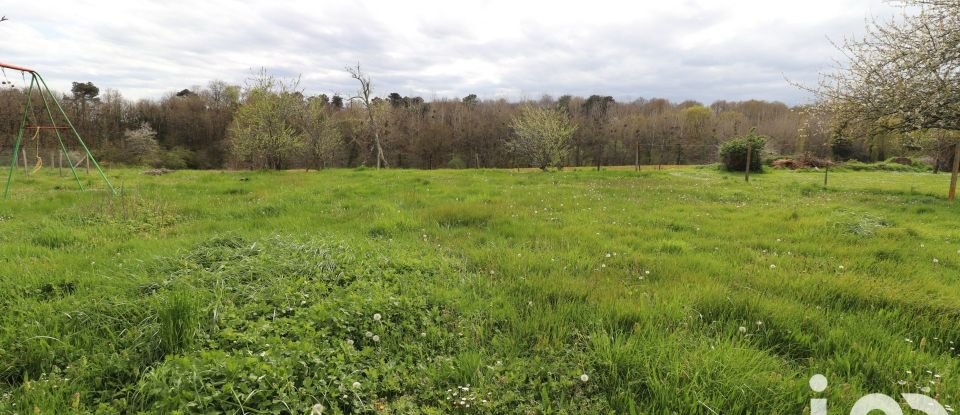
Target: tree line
(273,123)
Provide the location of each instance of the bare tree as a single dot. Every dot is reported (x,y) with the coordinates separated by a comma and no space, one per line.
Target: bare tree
(363,95)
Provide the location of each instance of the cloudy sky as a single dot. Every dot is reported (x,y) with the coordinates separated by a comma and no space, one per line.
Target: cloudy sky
(677,49)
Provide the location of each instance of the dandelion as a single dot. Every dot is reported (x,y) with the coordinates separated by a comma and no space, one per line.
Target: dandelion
(925,389)
(377,317)
(584,377)
(608,255)
(356,385)
(368,334)
(376,339)
(773,266)
(901,382)
(759,323)
(646,272)
(350,342)
(743,329)
(936,261)
(317,409)
(841,268)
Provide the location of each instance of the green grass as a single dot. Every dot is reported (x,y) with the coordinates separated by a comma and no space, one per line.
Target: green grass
(680,291)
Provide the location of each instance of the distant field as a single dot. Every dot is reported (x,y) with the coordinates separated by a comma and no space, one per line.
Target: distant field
(681,291)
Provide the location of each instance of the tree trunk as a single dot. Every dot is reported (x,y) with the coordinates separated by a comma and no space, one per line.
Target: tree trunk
(746,171)
(953,175)
(636,159)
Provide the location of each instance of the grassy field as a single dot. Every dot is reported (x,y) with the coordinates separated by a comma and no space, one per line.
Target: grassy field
(682,291)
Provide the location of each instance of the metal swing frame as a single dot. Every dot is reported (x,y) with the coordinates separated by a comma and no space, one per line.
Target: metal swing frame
(36,81)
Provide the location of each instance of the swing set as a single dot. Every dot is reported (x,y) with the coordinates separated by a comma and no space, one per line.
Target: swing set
(46,96)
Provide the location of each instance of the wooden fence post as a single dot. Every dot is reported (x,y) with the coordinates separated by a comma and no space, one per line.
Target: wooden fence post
(956,169)
(746,173)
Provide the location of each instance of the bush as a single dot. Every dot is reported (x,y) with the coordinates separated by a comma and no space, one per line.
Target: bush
(456,163)
(854,165)
(174,159)
(733,153)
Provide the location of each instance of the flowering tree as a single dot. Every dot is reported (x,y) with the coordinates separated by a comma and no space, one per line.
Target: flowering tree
(141,146)
(903,75)
(542,136)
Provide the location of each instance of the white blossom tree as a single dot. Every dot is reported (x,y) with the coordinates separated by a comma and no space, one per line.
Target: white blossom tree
(903,75)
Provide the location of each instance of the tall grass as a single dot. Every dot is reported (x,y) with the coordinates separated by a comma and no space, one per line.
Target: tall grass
(674,291)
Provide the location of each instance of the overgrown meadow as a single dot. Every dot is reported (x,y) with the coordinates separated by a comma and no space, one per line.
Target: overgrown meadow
(683,291)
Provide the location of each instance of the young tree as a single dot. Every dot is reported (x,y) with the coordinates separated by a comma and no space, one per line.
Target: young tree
(322,136)
(903,75)
(372,110)
(542,136)
(262,133)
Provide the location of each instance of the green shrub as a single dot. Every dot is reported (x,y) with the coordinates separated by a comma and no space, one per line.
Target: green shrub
(174,159)
(733,153)
(854,165)
(456,163)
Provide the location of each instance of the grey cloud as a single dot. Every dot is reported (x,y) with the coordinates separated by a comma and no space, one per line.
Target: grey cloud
(147,50)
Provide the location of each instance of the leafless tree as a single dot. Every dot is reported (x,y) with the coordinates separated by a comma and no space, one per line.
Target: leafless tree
(364,96)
